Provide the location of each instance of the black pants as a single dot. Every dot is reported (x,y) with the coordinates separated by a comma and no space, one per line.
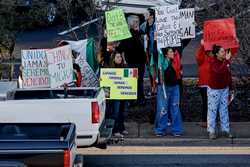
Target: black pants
(203,92)
(118,115)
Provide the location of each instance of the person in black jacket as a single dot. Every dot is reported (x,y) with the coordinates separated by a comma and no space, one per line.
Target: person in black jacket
(134,53)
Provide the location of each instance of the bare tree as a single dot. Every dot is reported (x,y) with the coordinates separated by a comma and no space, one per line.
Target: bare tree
(83,10)
(8,31)
(239,9)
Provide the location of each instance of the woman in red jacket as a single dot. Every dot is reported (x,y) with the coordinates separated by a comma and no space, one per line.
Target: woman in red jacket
(202,58)
(219,82)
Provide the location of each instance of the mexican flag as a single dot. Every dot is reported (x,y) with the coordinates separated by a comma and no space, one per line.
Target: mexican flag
(86,52)
(85,56)
(130,73)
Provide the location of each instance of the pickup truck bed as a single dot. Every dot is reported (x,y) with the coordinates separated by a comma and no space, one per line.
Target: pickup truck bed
(40,145)
(85,107)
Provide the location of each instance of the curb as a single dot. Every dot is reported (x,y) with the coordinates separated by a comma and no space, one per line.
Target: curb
(172,142)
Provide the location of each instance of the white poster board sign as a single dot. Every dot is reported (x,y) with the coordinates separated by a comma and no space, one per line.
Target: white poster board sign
(187,23)
(168,26)
(60,66)
(35,68)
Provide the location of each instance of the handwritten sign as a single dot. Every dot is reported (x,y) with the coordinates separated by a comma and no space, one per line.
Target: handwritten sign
(89,77)
(60,66)
(221,32)
(187,23)
(168,26)
(35,68)
(116,25)
(119,83)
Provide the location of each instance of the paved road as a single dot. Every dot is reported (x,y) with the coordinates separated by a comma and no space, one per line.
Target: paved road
(146,156)
(167,161)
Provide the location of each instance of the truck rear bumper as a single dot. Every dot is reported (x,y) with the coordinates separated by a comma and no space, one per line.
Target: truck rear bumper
(105,134)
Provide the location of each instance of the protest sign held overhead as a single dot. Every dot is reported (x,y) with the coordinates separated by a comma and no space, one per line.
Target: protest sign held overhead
(119,83)
(35,68)
(116,25)
(168,26)
(187,23)
(221,32)
(60,66)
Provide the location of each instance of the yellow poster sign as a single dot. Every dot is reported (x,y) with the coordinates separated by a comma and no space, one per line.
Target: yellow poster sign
(119,83)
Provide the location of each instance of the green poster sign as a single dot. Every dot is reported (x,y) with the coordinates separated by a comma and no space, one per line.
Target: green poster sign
(117,27)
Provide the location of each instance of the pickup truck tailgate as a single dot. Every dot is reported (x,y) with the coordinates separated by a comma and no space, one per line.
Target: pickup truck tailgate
(34,158)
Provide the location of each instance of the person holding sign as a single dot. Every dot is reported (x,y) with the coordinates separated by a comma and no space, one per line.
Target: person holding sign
(220,82)
(134,53)
(168,93)
(118,105)
(202,58)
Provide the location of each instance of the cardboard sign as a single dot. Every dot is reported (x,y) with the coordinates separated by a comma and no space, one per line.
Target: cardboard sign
(35,68)
(119,83)
(117,27)
(168,26)
(60,66)
(187,23)
(220,32)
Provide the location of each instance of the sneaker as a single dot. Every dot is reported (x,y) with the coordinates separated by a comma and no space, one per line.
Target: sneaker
(118,135)
(226,134)
(159,135)
(169,122)
(212,136)
(124,132)
(177,135)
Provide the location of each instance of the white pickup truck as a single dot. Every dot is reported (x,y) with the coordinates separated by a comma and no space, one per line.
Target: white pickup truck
(85,107)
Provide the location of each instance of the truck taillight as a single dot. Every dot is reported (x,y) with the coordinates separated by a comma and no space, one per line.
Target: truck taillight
(66,158)
(95,112)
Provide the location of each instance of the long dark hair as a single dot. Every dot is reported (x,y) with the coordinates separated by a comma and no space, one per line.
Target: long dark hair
(76,67)
(112,63)
(165,50)
(216,49)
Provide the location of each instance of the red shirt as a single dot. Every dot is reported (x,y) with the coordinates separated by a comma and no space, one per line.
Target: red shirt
(79,79)
(177,64)
(203,66)
(219,74)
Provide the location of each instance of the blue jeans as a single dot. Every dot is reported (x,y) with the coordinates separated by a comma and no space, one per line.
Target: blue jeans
(118,116)
(171,102)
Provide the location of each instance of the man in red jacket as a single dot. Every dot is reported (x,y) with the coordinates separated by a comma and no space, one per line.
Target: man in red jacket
(219,82)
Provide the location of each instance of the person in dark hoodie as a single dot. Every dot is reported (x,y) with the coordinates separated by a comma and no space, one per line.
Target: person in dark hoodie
(134,53)
(219,84)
